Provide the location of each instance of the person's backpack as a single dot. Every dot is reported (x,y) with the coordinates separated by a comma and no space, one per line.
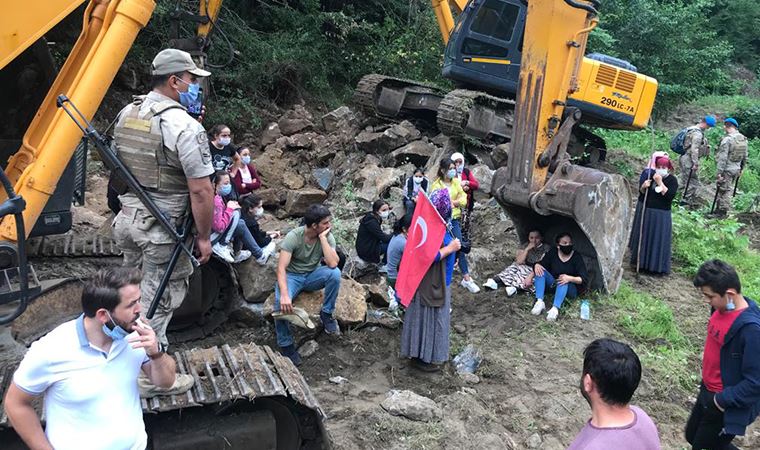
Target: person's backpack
(676,144)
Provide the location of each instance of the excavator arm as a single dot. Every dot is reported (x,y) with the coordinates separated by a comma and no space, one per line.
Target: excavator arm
(445,17)
(539,186)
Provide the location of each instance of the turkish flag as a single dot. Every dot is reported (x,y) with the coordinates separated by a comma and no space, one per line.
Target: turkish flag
(422,244)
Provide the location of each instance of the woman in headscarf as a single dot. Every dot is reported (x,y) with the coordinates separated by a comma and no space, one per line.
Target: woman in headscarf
(654,239)
(425,335)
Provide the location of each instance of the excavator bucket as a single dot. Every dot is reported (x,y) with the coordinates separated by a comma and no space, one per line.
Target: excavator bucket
(593,206)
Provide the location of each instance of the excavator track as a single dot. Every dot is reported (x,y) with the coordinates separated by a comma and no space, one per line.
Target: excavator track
(71,245)
(475,114)
(227,377)
(379,95)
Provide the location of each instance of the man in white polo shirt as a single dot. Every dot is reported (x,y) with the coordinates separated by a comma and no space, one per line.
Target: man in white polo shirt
(87,370)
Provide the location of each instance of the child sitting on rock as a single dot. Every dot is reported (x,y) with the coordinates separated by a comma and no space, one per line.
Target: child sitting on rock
(253,210)
(228,225)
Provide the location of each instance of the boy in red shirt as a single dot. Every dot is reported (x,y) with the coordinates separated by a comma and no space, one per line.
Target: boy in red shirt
(729,396)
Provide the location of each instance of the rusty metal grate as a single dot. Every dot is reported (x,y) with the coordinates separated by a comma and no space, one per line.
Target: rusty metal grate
(243,371)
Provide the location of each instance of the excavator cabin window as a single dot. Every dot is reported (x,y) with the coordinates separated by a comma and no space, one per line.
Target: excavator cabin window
(496,19)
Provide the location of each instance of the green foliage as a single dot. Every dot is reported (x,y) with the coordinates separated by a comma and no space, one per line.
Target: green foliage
(645,317)
(664,348)
(697,239)
(672,41)
(749,119)
(737,21)
(637,143)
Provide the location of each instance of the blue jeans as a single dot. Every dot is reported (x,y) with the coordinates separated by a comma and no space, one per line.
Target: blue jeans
(456,228)
(562,291)
(322,277)
(238,230)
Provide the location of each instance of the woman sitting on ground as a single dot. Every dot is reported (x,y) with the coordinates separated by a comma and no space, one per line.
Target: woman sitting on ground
(371,240)
(243,173)
(228,225)
(253,209)
(519,274)
(396,247)
(563,268)
(425,333)
(414,185)
(657,232)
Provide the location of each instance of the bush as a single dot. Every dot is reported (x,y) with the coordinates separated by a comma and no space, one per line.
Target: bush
(749,120)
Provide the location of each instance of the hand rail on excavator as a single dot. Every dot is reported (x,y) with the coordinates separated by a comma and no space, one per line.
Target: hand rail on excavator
(15,205)
(591,9)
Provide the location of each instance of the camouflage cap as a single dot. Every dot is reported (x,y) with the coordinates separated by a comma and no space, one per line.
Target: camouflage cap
(171,61)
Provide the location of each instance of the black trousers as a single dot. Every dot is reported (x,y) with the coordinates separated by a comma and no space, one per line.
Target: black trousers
(704,430)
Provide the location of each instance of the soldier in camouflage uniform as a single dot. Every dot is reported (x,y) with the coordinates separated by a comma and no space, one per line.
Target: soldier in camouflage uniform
(695,146)
(730,160)
(167,151)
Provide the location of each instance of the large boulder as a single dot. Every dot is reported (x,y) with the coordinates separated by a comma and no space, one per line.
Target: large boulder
(257,281)
(272,197)
(292,180)
(303,141)
(270,134)
(375,181)
(412,406)
(416,152)
(383,142)
(500,155)
(295,121)
(484,175)
(297,201)
(350,307)
(323,176)
(339,118)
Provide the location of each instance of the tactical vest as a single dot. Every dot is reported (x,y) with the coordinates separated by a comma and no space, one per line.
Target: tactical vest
(738,148)
(688,141)
(140,146)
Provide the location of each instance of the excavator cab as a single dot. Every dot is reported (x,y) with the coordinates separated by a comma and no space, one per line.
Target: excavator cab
(485,50)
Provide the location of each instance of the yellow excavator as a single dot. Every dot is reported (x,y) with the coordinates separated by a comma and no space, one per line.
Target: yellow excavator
(245,395)
(523,80)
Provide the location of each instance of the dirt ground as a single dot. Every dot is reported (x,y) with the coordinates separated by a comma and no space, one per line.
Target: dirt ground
(527,396)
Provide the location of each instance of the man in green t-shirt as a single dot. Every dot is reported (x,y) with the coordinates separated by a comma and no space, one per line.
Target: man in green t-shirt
(300,268)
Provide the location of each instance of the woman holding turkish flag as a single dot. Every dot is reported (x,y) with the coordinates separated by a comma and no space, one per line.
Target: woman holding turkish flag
(425,335)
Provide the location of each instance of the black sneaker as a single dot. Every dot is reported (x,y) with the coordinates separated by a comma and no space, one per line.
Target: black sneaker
(291,352)
(330,324)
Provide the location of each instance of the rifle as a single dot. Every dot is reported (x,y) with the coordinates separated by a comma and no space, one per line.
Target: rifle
(736,183)
(112,162)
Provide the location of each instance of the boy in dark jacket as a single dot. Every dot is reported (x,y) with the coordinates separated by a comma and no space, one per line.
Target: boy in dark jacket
(729,396)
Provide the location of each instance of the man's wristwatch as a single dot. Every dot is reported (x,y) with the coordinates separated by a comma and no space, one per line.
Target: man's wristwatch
(161,352)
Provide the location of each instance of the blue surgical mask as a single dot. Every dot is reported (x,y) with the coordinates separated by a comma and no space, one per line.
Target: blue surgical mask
(730,305)
(452,173)
(190,99)
(226,189)
(117,333)
(460,168)
(246,160)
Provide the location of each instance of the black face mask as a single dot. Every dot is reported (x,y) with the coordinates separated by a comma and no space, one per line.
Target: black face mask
(566,249)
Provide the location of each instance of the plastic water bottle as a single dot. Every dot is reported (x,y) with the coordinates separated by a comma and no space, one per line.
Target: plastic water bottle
(585,310)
